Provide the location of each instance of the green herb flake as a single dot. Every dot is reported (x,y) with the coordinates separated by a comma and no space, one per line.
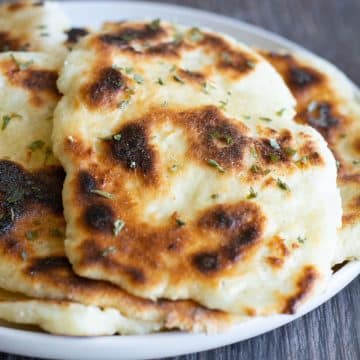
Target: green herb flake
(160,81)
(36,145)
(214,196)
(223,104)
(227,139)
(246,117)
(109,250)
(138,78)
(7,118)
(302,161)
(253,152)
(266,119)
(178,79)
(301,239)
(280,112)
(164,103)
(155,24)
(180,222)
(252,194)
(118,226)
(274,157)
(338,164)
(117,137)
(15,196)
(282,185)
(44,34)
(290,151)
(356,162)
(174,167)
(102,193)
(123,104)
(216,165)
(196,34)
(129,70)
(32,235)
(41,26)
(56,233)
(21,65)
(250,64)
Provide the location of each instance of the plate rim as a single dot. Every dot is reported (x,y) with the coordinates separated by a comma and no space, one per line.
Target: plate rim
(31,339)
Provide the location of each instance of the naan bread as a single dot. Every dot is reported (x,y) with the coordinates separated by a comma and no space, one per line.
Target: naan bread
(186,177)
(33,26)
(329,102)
(32,227)
(69,318)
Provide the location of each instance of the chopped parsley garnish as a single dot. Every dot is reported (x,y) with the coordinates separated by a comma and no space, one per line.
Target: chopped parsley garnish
(246,117)
(252,193)
(44,34)
(250,64)
(338,164)
(196,34)
(123,104)
(21,65)
(16,195)
(109,250)
(227,139)
(128,37)
(32,235)
(280,112)
(138,78)
(216,165)
(223,104)
(56,233)
(160,81)
(178,79)
(155,24)
(129,70)
(301,239)
(117,137)
(36,145)
(266,119)
(290,151)
(174,167)
(356,162)
(253,152)
(41,26)
(7,118)
(173,68)
(178,37)
(102,193)
(274,157)
(164,103)
(180,222)
(302,161)
(118,226)
(274,144)
(214,196)
(282,185)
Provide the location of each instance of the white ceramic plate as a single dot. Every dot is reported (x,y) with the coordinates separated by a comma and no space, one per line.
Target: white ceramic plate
(172,343)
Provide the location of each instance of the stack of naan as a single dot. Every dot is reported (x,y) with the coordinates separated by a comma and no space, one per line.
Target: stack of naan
(155,176)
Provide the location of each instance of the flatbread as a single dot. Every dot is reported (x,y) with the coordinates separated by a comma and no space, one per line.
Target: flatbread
(33,26)
(167,136)
(69,318)
(32,227)
(328,101)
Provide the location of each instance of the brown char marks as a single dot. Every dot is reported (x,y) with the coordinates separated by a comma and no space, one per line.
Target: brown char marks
(305,284)
(8,43)
(75,34)
(240,225)
(213,136)
(20,189)
(133,150)
(99,217)
(105,88)
(126,33)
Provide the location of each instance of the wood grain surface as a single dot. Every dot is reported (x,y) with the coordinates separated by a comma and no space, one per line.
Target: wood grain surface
(330,28)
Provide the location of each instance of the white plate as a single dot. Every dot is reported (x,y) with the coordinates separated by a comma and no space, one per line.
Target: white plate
(172,343)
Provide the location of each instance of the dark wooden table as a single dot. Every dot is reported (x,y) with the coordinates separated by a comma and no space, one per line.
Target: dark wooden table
(331,28)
